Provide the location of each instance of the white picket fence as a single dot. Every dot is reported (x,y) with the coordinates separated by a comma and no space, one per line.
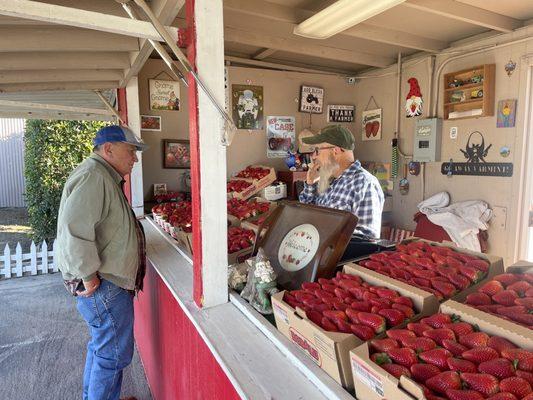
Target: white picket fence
(40,260)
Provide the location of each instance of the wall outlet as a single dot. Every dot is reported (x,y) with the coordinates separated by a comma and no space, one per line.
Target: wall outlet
(499,217)
(453,132)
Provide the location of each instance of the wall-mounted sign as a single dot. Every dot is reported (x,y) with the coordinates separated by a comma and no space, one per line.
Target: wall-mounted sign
(371,121)
(311,99)
(247,106)
(281,136)
(164,95)
(475,153)
(506,113)
(340,113)
(413,102)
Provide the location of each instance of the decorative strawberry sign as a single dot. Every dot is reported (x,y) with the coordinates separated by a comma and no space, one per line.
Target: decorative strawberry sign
(371,121)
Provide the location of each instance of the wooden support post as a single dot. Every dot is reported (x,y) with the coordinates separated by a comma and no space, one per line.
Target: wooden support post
(123,111)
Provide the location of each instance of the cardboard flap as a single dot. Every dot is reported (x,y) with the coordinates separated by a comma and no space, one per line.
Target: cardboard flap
(411,387)
(520,267)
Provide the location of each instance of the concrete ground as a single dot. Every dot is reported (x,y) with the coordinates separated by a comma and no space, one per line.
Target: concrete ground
(43,343)
(14,228)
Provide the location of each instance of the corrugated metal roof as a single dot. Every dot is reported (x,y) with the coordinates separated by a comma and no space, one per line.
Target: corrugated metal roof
(12,186)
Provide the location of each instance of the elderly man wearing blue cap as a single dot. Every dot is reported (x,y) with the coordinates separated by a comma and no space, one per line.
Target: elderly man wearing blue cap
(101,254)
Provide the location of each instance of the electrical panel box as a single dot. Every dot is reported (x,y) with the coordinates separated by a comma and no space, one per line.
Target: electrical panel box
(427,140)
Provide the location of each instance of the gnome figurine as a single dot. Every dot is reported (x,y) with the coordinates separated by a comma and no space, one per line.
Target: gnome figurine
(413,105)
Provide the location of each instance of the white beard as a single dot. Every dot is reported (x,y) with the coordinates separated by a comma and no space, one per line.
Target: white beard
(413,106)
(326,173)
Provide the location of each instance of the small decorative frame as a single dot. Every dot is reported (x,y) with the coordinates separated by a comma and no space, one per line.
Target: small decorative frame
(160,188)
(311,99)
(176,153)
(151,123)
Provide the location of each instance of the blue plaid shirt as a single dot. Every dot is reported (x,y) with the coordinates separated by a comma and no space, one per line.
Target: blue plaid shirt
(357,191)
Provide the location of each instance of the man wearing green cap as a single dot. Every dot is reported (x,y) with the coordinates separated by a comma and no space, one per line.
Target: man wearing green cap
(336,180)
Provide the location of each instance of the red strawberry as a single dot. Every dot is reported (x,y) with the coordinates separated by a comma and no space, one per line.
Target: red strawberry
(460,281)
(478,299)
(444,381)
(343,326)
(455,348)
(516,385)
(506,279)
(437,320)
(315,316)
(471,273)
(491,288)
(435,292)
(480,354)
(529,292)
(328,325)
(526,302)
(486,384)
(404,300)
(528,376)
(361,306)
(519,287)
(482,265)
(436,357)
(399,334)
(419,344)
(440,334)
(460,365)
(418,327)
(454,262)
(525,319)
(335,314)
(460,328)
(383,345)
(505,297)
(407,311)
(363,332)
(387,293)
(503,396)
(499,367)
(447,289)
(499,344)
(396,370)
(403,356)
(474,339)
(489,308)
(454,394)
(510,311)
(524,357)
(422,372)
(374,321)
(393,317)
(526,277)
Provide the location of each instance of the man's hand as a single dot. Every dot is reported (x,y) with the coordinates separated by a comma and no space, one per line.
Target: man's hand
(90,287)
(313,173)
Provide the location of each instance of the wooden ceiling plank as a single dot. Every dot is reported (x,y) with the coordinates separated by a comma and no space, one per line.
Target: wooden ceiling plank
(53,115)
(284,67)
(466,13)
(12,77)
(40,86)
(62,60)
(262,54)
(294,16)
(298,46)
(56,107)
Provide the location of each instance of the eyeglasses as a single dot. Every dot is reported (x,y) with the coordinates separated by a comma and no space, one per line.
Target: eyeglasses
(317,149)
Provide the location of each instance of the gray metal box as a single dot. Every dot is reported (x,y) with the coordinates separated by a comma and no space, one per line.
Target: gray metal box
(427,140)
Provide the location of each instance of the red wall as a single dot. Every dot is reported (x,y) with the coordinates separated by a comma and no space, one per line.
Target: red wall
(178,363)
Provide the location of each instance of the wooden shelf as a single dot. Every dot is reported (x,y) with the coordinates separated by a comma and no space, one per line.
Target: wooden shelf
(464,87)
(471,101)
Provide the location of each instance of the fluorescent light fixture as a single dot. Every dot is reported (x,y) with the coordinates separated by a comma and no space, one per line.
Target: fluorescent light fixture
(342,15)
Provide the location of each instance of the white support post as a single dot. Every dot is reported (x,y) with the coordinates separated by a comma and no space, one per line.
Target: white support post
(7,262)
(54,256)
(18,260)
(210,65)
(44,257)
(33,258)
(134,123)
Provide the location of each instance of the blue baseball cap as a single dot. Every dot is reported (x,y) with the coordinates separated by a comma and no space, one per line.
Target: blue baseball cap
(115,133)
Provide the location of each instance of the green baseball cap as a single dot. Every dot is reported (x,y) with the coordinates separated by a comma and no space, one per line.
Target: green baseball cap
(333,134)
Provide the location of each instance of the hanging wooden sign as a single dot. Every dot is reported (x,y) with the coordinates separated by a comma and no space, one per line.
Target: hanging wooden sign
(340,113)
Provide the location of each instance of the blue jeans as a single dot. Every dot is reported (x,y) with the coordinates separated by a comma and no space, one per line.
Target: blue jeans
(109,315)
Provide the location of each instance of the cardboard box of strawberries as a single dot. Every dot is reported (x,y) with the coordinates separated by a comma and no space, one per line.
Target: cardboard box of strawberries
(328,318)
(250,181)
(243,210)
(441,269)
(454,354)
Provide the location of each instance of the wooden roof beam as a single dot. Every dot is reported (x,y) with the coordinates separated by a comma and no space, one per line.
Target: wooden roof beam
(55,107)
(262,54)
(40,86)
(85,75)
(62,60)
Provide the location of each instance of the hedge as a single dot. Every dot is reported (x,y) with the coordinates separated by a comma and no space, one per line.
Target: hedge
(52,150)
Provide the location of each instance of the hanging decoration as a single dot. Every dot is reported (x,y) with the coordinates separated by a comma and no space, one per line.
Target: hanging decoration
(475,153)
(281,136)
(164,95)
(413,104)
(311,99)
(506,113)
(340,113)
(247,106)
(394,159)
(505,151)
(510,67)
(371,121)
(404,183)
(414,168)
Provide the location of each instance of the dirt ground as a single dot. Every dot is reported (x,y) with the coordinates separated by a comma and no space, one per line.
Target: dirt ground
(14,228)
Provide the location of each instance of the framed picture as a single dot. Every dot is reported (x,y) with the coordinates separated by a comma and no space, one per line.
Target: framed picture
(311,99)
(160,188)
(340,113)
(506,113)
(151,123)
(164,95)
(247,106)
(176,153)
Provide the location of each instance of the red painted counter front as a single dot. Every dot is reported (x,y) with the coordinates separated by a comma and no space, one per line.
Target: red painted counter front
(178,363)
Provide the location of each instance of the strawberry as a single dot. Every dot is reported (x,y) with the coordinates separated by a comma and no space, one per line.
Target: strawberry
(529,292)
(455,348)
(510,311)
(478,299)
(507,279)
(454,394)
(383,345)
(435,292)
(525,319)
(422,372)
(444,381)
(419,344)
(363,332)
(387,293)
(498,343)
(516,385)
(505,297)
(360,306)
(489,308)
(420,282)
(460,281)
(403,356)
(328,325)
(519,287)
(474,339)
(480,354)
(499,367)
(526,302)
(418,327)
(526,277)
(436,357)
(439,334)
(374,321)
(399,334)
(447,289)
(335,314)
(481,265)
(315,317)
(528,376)
(491,288)
(341,293)
(475,275)
(486,384)
(404,300)
(524,357)
(454,262)
(460,328)
(343,326)
(437,320)
(407,311)
(396,370)
(503,396)
(393,317)
(460,365)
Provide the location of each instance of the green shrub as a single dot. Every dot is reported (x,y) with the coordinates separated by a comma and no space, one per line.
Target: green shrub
(52,150)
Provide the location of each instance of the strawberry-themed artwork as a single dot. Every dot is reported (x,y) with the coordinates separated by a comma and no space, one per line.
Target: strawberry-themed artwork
(371,121)
(298,247)
(413,103)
